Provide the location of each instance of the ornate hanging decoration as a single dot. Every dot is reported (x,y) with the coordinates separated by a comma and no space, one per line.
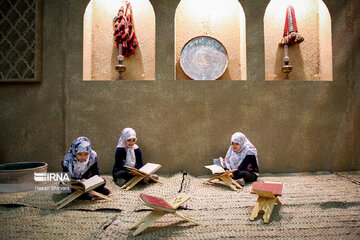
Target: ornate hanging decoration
(124,34)
(290,37)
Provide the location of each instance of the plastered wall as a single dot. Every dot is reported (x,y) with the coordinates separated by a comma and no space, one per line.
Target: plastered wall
(295,125)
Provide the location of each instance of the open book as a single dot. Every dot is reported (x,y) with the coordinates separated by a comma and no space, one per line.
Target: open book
(148,168)
(156,203)
(88,184)
(215,169)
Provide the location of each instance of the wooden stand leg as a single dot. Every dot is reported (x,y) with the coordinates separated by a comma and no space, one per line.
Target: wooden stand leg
(100,195)
(228,181)
(236,184)
(134,182)
(147,221)
(185,218)
(144,175)
(68,199)
(210,179)
(128,183)
(65,198)
(141,220)
(258,207)
(268,209)
(154,179)
(266,205)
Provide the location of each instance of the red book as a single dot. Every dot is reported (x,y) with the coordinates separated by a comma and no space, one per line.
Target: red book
(275,188)
(156,203)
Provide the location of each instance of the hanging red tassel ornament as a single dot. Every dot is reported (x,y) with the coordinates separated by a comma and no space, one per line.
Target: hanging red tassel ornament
(124,34)
(291,35)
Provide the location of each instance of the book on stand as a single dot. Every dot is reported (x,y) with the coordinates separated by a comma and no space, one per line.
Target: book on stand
(156,203)
(215,169)
(82,187)
(88,184)
(218,167)
(147,169)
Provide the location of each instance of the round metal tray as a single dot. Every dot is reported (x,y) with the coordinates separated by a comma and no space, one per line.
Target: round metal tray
(204,58)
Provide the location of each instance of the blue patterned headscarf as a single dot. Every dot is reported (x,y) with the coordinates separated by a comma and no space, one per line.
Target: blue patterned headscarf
(77,168)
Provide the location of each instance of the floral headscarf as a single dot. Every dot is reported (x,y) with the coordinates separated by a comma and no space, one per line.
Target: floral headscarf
(77,168)
(126,134)
(234,159)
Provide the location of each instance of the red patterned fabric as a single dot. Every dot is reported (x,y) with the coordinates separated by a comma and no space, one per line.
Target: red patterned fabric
(291,35)
(124,34)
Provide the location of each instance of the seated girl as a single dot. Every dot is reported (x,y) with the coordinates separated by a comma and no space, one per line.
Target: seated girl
(242,155)
(81,162)
(127,154)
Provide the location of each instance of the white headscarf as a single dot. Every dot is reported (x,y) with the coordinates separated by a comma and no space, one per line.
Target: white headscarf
(126,134)
(234,159)
(77,168)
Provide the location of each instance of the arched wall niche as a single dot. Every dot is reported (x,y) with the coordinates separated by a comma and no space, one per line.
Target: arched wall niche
(311,59)
(223,20)
(99,50)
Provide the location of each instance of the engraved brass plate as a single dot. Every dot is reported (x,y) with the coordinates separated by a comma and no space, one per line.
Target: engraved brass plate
(203,58)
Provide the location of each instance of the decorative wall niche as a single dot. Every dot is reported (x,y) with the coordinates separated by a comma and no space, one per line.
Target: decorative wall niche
(312,59)
(99,50)
(221,20)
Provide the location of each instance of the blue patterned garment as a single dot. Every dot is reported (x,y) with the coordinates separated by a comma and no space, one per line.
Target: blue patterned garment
(77,168)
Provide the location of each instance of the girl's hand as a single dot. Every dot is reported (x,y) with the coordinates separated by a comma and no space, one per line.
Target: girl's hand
(231,175)
(83,179)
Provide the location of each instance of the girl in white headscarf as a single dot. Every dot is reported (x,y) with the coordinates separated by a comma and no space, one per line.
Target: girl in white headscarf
(127,154)
(242,155)
(81,163)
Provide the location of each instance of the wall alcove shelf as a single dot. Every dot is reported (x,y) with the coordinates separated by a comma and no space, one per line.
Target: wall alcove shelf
(99,50)
(312,59)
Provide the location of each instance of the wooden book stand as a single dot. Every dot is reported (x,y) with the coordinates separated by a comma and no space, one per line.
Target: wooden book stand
(71,197)
(156,213)
(137,178)
(226,179)
(267,198)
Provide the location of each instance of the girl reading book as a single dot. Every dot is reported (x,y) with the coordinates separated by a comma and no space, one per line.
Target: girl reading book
(81,162)
(127,154)
(242,155)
